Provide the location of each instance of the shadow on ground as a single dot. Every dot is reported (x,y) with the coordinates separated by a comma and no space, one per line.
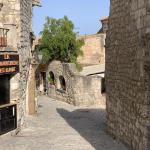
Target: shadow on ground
(91,125)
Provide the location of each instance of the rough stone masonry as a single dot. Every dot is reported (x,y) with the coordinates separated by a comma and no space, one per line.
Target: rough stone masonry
(16,15)
(128,72)
(80,90)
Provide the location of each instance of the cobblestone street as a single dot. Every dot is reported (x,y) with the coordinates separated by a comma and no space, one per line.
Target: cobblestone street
(60,126)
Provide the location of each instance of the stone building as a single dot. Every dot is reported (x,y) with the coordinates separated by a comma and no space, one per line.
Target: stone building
(65,83)
(86,87)
(128,72)
(94,47)
(16,38)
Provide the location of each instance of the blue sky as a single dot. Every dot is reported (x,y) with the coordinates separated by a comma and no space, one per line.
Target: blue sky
(85,14)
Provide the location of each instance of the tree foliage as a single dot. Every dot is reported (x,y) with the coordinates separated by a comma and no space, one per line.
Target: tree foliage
(59,41)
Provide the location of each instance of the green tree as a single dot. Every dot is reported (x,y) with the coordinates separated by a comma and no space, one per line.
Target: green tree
(59,41)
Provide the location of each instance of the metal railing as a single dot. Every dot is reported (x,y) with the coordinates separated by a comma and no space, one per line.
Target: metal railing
(3,37)
(8,118)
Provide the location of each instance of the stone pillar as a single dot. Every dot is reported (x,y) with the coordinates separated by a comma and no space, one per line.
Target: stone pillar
(31,100)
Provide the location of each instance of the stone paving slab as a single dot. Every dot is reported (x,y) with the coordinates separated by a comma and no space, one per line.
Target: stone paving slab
(60,126)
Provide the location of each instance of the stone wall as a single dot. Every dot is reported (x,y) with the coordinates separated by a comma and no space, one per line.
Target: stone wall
(24,50)
(128,72)
(10,18)
(94,50)
(16,15)
(80,90)
(87,90)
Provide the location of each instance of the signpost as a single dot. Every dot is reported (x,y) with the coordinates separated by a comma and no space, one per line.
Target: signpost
(9,63)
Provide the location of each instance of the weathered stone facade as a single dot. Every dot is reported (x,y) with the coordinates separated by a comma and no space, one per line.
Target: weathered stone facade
(16,15)
(128,72)
(94,47)
(79,89)
(94,50)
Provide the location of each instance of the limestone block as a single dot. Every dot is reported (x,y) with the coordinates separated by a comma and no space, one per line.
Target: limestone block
(80,90)
(126,76)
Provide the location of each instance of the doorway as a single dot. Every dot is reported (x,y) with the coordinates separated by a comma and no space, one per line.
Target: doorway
(4,89)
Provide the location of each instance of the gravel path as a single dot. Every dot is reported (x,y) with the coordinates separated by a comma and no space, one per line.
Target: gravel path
(60,126)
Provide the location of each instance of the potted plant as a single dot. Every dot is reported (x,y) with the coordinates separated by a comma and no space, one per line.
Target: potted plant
(51,81)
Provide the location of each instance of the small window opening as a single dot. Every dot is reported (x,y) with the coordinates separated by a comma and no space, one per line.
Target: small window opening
(51,78)
(103,86)
(62,83)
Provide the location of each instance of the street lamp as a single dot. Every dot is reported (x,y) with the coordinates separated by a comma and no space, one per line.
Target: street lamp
(36,57)
(40,57)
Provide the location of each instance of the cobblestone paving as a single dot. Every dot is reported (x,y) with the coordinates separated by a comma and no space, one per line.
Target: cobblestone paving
(60,126)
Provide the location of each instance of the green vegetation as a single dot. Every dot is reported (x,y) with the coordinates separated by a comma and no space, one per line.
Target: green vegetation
(51,81)
(59,41)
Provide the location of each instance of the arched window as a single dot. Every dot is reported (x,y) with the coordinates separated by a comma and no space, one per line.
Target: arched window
(51,78)
(62,83)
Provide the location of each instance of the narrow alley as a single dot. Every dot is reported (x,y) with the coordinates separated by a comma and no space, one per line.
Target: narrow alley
(60,126)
